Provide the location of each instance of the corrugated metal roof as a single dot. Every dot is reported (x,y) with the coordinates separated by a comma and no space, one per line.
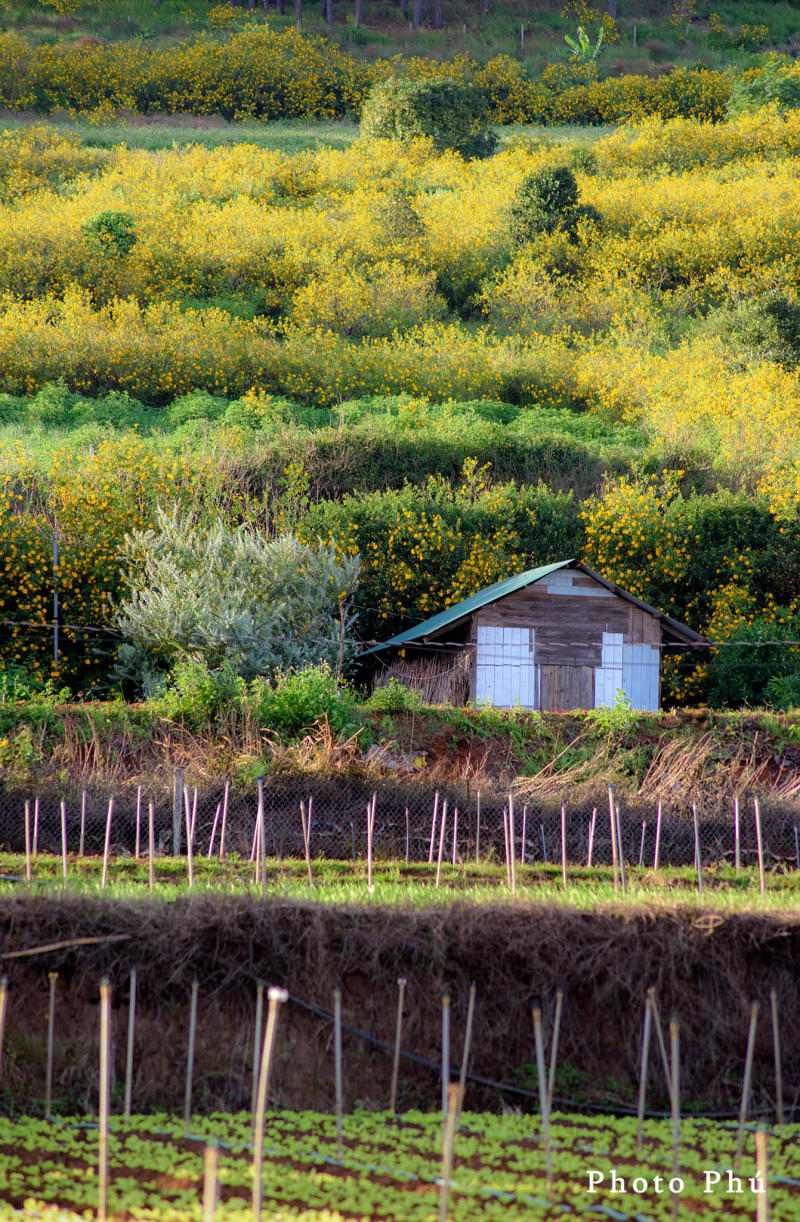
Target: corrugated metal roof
(474,603)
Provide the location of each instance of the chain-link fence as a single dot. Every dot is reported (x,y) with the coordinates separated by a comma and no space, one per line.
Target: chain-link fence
(412,822)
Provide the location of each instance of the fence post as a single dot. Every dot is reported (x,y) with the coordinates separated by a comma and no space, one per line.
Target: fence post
(177,811)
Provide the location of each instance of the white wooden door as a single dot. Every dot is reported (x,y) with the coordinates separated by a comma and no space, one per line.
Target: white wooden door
(505,667)
(631,669)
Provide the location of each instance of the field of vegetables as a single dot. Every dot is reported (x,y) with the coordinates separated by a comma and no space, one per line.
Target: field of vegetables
(389,1168)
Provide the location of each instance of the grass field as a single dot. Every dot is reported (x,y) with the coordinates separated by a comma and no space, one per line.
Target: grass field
(386,1168)
(409,884)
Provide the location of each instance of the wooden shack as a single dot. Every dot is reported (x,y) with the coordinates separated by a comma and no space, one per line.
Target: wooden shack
(557,637)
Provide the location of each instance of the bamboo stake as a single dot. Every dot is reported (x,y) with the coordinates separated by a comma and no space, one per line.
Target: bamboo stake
(524,835)
(445,1051)
(657,849)
(623,874)
(51,1039)
(306,822)
(337,1068)
(36,827)
(187,1096)
(551,1078)
(762,882)
(138,839)
(408,834)
(82,840)
(675,1102)
(3,1012)
(455,1097)
(511,844)
(590,846)
(505,845)
(697,858)
(762,1171)
(63,813)
(210,1188)
(433,827)
(401,989)
(107,843)
(151,836)
(613,824)
(465,1054)
(563,844)
(442,826)
(276,998)
(131,1040)
(544,842)
(776,1054)
(213,835)
(797,845)
(748,1073)
(641,843)
(662,1047)
(105,1082)
(223,826)
(257,1043)
(260,847)
(189,840)
(478,832)
(645,1060)
(737,840)
(455,835)
(27,842)
(542,1080)
(370,832)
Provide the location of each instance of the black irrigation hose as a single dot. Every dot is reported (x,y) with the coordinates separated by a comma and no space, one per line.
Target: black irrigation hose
(620,1109)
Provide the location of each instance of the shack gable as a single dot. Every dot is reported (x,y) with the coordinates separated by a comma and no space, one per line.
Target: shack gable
(565,642)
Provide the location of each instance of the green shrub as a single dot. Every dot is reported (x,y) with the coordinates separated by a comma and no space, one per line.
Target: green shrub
(198,695)
(295,701)
(776,83)
(113,232)
(783,691)
(453,115)
(394,697)
(751,671)
(545,202)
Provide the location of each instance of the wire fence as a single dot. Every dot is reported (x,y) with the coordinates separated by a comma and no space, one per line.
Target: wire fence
(412,823)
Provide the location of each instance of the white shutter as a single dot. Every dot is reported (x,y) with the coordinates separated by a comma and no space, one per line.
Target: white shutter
(505,672)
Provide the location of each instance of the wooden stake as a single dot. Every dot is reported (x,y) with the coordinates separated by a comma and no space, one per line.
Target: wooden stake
(276,998)
(370,832)
(210,1188)
(455,835)
(433,827)
(257,1031)
(105,1084)
(36,827)
(27,842)
(776,1054)
(408,834)
(641,843)
(187,1096)
(337,1068)
(762,882)
(260,834)
(465,1054)
(762,1170)
(505,844)
(223,826)
(613,824)
(551,1077)
(138,839)
(737,840)
(748,1073)
(623,878)
(544,843)
(445,1051)
(563,844)
(657,849)
(442,825)
(511,844)
(151,836)
(51,1039)
(675,1100)
(398,1031)
(107,843)
(306,822)
(478,831)
(590,846)
(645,1060)
(452,1112)
(82,839)
(213,835)
(698,862)
(524,835)
(189,840)
(131,1041)
(63,813)
(542,1080)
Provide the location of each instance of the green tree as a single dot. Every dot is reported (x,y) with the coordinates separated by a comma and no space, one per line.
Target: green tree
(454,115)
(230,597)
(547,201)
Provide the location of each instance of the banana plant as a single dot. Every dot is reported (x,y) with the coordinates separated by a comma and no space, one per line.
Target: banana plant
(582,47)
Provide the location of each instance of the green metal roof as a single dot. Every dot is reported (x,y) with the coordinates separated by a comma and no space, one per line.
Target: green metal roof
(482,599)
